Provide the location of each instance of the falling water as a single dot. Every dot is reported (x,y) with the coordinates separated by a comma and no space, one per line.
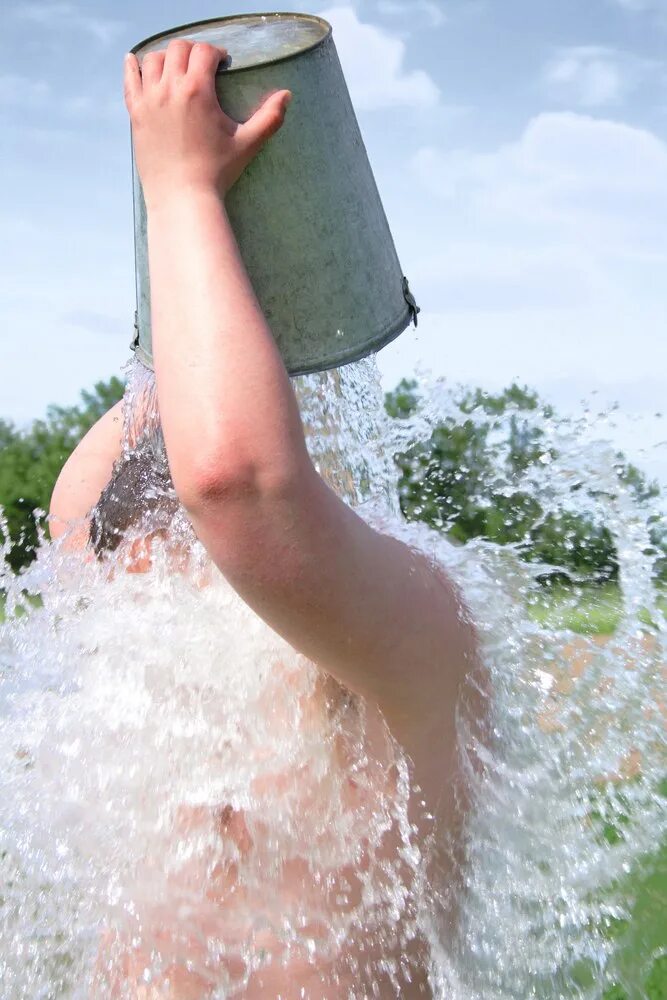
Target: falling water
(175,800)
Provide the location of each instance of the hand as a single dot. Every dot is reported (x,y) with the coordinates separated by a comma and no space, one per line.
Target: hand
(182,138)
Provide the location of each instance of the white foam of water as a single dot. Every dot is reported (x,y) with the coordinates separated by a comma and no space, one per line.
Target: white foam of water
(142,711)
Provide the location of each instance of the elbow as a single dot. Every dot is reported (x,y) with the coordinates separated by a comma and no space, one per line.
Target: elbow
(213,482)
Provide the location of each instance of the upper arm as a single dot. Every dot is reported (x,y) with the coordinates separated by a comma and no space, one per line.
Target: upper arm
(84,475)
(362,605)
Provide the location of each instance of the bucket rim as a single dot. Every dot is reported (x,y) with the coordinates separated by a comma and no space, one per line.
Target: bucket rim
(273,15)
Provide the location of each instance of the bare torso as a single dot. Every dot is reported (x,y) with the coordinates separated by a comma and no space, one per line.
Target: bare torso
(331,913)
(319,903)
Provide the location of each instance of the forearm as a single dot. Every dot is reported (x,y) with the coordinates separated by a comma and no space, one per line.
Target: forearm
(226,403)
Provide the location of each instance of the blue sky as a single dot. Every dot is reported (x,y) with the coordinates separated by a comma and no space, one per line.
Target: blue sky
(520,149)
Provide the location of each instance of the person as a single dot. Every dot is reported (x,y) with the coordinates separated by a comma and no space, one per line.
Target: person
(377,618)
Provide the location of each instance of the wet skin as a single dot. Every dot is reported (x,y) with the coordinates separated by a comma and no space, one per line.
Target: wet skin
(120,963)
(368,611)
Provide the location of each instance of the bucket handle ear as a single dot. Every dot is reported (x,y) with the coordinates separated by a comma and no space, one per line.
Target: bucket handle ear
(411,301)
(135,339)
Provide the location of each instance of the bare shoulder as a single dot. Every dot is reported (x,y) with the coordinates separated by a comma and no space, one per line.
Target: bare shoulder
(437,656)
(435,695)
(410,646)
(84,475)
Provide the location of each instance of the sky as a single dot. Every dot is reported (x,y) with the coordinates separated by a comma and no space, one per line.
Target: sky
(520,149)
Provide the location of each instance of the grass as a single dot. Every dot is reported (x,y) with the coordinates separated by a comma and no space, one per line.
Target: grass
(586,609)
(640,961)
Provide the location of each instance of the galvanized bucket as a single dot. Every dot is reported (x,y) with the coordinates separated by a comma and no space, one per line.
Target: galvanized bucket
(306,213)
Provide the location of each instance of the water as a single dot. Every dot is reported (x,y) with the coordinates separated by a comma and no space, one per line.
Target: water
(175,780)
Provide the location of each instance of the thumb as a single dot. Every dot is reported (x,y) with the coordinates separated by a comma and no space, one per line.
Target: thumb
(265,122)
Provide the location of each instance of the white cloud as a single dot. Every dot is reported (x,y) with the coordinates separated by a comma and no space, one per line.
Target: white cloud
(433,12)
(544,258)
(593,76)
(578,180)
(373,61)
(590,75)
(66,17)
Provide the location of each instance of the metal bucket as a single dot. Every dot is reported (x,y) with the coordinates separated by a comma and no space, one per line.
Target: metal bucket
(306,213)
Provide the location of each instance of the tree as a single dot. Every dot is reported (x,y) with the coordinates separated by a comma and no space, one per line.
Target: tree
(469,480)
(31,459)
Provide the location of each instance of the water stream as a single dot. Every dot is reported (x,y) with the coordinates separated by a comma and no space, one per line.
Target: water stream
(160,749)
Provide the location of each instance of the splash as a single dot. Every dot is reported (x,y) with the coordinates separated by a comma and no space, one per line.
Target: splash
(189,808)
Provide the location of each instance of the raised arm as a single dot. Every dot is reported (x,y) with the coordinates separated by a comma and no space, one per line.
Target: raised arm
(363,606)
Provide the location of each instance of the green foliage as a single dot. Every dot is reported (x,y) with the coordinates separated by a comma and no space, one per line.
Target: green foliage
(31,459)
(403,401)
(452,483)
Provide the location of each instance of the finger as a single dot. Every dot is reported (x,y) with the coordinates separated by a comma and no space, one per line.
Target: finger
(131,80)
(152,66)
(177,57)
(204,61)
(265,122)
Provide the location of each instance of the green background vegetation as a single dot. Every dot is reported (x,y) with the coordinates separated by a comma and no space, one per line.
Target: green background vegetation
(450,481)
(31,458)
(471,480)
